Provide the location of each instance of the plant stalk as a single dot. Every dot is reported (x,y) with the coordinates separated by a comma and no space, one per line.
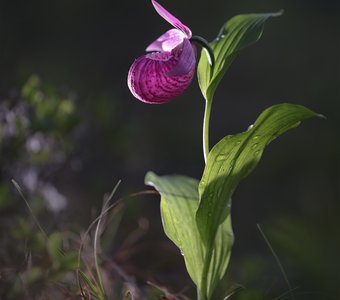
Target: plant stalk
(198,295)
(206,122)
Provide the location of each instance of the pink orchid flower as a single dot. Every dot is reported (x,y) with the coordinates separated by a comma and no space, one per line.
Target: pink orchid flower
(165,73)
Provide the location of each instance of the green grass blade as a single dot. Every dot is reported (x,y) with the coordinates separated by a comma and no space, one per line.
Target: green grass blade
(36,221)
(88,282)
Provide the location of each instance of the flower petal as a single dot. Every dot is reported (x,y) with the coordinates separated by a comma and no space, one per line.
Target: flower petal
(171,19)
(148,80)
(168,41)
(187,59)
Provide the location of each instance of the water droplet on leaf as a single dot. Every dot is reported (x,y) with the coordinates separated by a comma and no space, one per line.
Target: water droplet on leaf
(221,157)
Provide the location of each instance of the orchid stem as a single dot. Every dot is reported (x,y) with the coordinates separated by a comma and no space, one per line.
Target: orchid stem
(206,122)
(198,295)
(205,45)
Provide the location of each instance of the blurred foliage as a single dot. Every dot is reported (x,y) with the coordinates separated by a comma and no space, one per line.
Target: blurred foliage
(35,138)
(36,264)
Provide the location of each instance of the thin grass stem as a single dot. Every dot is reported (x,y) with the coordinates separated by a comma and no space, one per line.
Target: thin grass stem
(96,262)
(106,208)
(36,221)
(290,290)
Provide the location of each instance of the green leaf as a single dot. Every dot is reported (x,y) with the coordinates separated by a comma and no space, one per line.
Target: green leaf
(239,32)
(69,261)
(231,160)
(88,282)
(179,203)
(54,246)
(196,216)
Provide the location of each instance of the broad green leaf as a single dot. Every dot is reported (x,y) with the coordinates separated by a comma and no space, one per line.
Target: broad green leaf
(179,203)
(216,258)
(239,32)
(232,159)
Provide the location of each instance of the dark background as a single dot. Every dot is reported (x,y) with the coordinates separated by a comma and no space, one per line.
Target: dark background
(88,47)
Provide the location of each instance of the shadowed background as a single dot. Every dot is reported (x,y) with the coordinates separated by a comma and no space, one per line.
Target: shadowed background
(88,47)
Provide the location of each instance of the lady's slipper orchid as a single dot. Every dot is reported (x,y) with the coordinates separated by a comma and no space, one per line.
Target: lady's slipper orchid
(165,73)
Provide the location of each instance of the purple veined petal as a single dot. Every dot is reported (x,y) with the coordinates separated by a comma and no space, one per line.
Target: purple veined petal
(171,19)
(148,80)
(187,59)
(168,41)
